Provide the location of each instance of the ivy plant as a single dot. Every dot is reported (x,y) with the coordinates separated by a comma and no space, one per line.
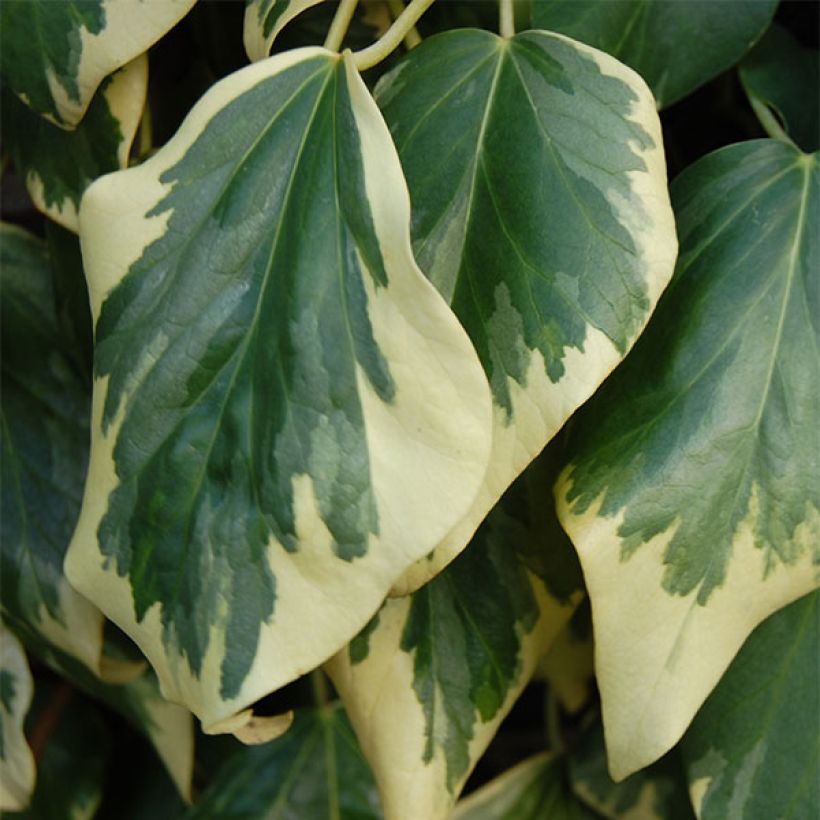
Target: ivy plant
(410,412)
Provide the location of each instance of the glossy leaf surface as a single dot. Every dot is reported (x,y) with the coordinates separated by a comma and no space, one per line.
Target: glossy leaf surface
(430,679)
(675,46)
(17,772)
(754,747)
(55,55)
(693,490)
(58,165)
(540,212)
(314,771)
(286,414)
(264,19)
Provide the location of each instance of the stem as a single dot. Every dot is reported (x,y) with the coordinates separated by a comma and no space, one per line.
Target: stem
(321,691)
(389,41)
(49,719)
(554,736)
(769,121)
(146,133)
(506,18)
(412,38)
(339,26)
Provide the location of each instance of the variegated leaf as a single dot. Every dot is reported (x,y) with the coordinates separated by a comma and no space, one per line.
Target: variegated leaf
(316,772)
(54,55)
(286,414)
(541,213)
(675,45)
(753,750)
(430,679)
(17,772)
(58,165)
(264,19)
(693,491)
(535,789)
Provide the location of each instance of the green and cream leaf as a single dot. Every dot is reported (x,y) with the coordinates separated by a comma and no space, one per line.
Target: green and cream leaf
(693,490)
(264,19)
(541,213)
(754,750)
(430,679)
(58,165)
(674,46)
(54,55)
(17,771)
(286,414)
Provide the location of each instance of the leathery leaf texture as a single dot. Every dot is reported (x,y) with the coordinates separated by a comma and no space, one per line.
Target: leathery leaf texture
(430,679)
(693,489)
(541,213)
(286,414)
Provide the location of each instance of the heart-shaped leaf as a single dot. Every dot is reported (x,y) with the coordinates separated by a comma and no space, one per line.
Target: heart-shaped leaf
(286,414)
(541,213)
(693,491)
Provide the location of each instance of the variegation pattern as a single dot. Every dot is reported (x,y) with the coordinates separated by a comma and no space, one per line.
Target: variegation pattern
(264,19)
(58,165)
(541,213)
(87,41)
(694,486)
(286,414)
(17,773)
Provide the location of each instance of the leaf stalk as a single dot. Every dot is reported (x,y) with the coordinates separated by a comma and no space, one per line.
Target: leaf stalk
(390,40)
(340,24)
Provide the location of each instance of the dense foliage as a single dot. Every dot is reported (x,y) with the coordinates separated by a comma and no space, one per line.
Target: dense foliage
(380,425)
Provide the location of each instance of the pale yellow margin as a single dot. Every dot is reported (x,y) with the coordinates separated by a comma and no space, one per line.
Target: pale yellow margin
(542,407)
(658,655)
(428,450)
(131,28)
(389,721)
(257,46)
(17,771)
(125,95)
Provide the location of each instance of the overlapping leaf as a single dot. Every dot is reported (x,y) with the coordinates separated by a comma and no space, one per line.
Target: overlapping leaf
(264,19)
(58,165)
(693,491)
(674,46)
(286,414)
(315,771)
(753,748)
(430,679)
(17,773)
(55,55)
(540,212)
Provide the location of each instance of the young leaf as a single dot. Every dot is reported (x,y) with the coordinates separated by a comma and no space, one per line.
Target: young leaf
(674,46)
(541,213)
(781,77)
(264,19)
(55,55)
(314,771)
(693,492)
(46,405)
(58,165)
(533,790)
(430,679)
(286,414)
(754,747)
(17,773)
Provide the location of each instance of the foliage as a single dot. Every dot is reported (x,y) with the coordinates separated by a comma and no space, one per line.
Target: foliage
(308,427)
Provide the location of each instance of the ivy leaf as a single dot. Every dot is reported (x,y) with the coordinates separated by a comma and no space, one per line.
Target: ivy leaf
(55,55)
(314,771)
(17,773)
(532,790)
(58,165)
(754,747)
(693,491)
(781,78)
(430,679)
(674,46)
(286,414)
(264,19)
(541,213)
